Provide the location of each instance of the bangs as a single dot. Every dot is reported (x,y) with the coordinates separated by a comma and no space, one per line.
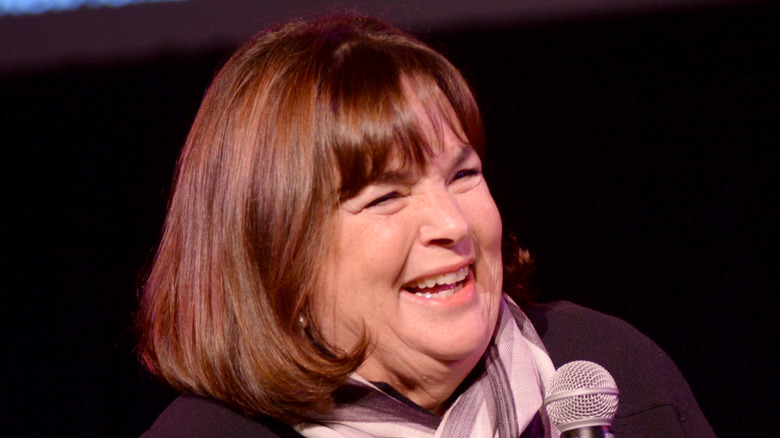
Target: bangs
(373,123)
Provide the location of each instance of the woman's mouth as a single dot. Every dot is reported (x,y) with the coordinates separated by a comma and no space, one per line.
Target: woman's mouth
(439,286)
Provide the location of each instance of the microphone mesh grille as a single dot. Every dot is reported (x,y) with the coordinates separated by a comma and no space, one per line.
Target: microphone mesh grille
(575,376)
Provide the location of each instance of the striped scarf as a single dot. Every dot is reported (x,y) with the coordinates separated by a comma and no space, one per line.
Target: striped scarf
(502,400)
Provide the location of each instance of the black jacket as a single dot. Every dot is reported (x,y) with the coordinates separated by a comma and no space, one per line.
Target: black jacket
(655,400)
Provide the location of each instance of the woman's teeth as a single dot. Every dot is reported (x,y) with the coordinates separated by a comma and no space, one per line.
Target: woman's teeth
(448,279)
(443,294)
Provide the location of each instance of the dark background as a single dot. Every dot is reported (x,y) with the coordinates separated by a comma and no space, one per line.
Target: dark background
(636,155)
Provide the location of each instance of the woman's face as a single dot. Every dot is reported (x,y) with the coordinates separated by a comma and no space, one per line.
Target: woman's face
(417,263)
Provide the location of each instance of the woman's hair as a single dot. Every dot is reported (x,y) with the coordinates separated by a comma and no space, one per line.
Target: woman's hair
(301,117)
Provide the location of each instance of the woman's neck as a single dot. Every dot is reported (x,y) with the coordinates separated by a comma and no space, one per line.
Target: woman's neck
(431,387)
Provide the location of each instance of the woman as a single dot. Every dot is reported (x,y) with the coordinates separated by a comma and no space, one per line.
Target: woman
(332,263)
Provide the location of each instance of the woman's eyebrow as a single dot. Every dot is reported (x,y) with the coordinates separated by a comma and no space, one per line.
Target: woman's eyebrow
(397,176)
(464,154)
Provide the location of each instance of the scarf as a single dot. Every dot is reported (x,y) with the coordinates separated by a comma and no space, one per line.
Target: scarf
(503,397)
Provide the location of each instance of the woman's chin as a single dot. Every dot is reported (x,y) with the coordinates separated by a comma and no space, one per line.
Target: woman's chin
(455,351)
(455,332)
(430,351)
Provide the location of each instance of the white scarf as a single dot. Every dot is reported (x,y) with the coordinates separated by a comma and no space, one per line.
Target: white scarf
(503,401)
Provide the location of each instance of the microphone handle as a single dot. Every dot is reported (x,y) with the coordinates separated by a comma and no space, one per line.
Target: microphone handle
(589,432)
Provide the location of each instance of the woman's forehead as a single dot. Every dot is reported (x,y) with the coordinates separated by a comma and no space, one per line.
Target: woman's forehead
(399,170)
(403,142)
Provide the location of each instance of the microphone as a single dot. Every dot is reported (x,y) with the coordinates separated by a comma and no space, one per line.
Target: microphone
(582,399)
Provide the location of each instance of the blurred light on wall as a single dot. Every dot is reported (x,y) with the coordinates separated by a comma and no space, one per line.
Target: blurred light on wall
(33,7)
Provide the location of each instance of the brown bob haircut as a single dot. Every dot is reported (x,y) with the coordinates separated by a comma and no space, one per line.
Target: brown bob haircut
(300,117)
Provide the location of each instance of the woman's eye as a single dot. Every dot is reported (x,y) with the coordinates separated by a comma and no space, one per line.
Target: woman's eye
(383,199)
(463,173)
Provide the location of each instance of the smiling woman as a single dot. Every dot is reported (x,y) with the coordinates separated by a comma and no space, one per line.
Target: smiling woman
(416,264)
(332,260)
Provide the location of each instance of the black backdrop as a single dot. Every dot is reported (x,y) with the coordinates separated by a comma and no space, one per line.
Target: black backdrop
(635,155)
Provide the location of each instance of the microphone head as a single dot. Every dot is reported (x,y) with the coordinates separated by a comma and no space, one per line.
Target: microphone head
(581,394)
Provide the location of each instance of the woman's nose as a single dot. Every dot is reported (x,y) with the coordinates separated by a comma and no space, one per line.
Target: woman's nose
(443,221)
